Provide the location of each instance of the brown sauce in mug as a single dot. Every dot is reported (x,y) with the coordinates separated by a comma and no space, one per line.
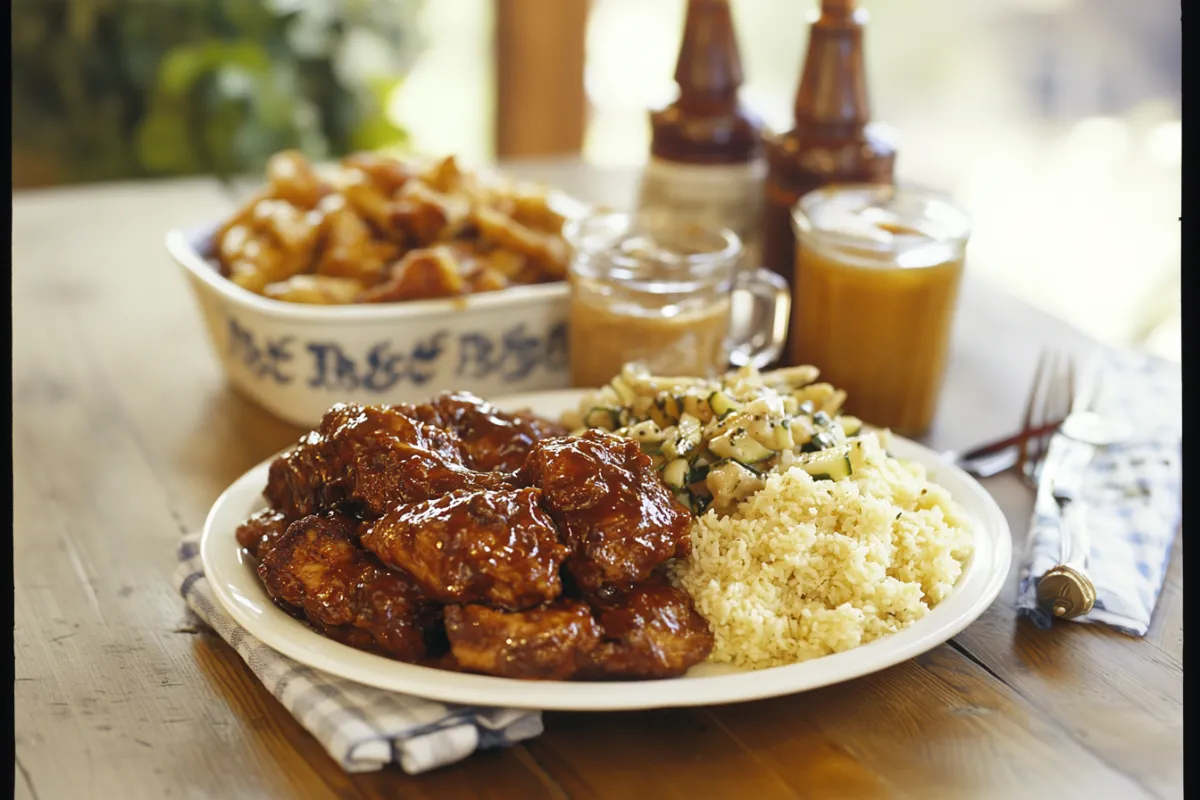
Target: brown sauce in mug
(604,338)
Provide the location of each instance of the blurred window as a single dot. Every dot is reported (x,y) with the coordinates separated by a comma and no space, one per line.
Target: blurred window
(1055,122)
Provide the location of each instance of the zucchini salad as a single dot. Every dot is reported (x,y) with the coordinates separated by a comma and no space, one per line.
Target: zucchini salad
(808,537)
(715,440)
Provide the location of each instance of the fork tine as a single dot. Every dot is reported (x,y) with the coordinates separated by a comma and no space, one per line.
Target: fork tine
(1049,402)
(1051,399)
(1031,406)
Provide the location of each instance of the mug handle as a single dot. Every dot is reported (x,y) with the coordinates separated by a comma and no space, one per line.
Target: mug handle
(761,305)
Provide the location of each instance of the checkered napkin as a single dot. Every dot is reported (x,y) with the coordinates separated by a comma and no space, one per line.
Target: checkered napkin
(1132,493)
(363,728)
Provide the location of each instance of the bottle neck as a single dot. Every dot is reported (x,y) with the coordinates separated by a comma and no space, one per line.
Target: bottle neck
(707,124)
(709,69)
(833,89)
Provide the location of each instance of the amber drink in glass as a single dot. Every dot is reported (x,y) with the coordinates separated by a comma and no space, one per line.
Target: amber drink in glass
(875,287)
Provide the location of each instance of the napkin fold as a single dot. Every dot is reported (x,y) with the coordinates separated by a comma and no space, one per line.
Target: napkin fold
(361,727)
(1133,495)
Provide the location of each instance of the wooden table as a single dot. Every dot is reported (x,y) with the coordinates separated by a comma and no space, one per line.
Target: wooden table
(124,434)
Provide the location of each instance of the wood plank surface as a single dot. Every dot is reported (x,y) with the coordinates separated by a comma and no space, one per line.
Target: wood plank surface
(124,433)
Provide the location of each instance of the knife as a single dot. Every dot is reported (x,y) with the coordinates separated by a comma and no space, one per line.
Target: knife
(1066,590)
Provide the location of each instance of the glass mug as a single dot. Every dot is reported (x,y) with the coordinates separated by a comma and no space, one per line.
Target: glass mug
(876,284)
(667,292)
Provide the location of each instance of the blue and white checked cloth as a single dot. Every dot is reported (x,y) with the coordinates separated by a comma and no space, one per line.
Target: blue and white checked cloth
(1133,496)
(363,728)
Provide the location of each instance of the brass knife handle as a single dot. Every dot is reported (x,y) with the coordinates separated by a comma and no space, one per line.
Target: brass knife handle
(1066,593)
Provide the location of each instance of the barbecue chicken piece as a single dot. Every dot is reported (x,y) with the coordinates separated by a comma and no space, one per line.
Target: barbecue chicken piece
(492,439)
(650,631)
(291,178)
(548,643)
(371,458)
(610,505)
(494,547)
(424,274)
(344,591)
(259,533)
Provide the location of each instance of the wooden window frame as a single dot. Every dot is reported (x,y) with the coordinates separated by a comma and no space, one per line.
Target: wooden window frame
(539,54)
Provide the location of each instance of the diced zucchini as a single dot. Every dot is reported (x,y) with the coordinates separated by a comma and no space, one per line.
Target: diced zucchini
(722,404)
(783,436)
(767,405)
(623,390)
(822,440)
(764,430)
(802,430)
(672,406)
(753,469)
(683,439)
(602,417)
(696,406)
(642,404)
(732,481)
(656,414)
(740,446)
(821,419)
(646,432)
(675,473)
(832,464)
(858,454)
(698,473)
(851,425)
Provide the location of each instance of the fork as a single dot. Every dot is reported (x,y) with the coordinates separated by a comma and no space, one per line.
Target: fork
(1050,398)
(999,455)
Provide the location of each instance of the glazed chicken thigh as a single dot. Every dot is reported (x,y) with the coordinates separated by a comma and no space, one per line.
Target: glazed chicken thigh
(410,530)
(650,631)
(318,568)
(494,547)
(259,534)
(548,643)
(611,506)
(491,439)
(371,457)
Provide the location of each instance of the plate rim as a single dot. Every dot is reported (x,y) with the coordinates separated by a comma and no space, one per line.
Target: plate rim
(270,625)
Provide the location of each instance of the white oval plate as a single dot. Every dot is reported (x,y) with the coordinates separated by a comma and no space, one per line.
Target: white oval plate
(241,594)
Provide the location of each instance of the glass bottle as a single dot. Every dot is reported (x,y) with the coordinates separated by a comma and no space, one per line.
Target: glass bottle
(706,159)
(832,141)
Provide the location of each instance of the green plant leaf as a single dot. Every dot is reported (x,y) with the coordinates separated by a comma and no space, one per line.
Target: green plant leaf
(163,144)
(185,65)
